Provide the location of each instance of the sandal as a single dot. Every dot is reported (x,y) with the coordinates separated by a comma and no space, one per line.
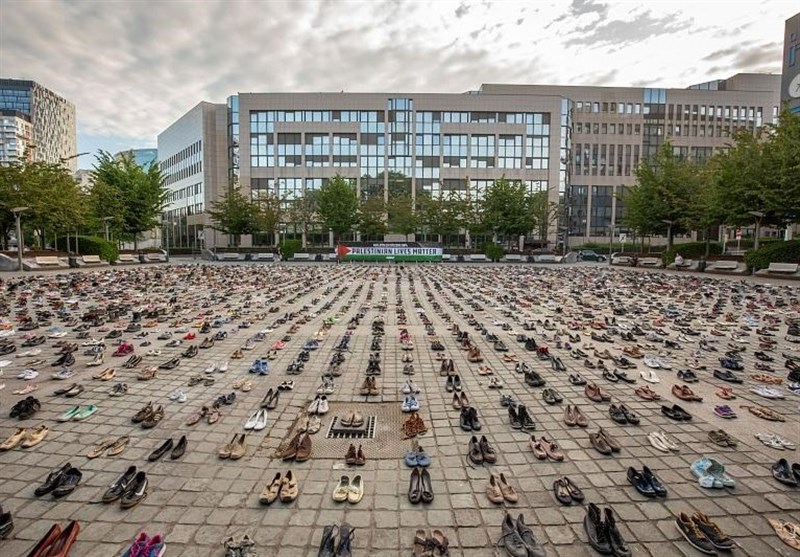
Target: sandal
(100,448)
(197,416)
(441,542)
(423,545)
(726,393)
(788,532)
(118,446)
(765,413)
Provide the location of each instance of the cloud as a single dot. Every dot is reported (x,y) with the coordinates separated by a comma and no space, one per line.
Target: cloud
(462,10)
(643,27)
(580,8)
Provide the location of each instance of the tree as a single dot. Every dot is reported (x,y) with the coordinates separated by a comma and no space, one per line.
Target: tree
(541,212)
(665,192)
(402,218)
(371,214)
(235,215)
(137,194)
(442,216)
(337,205)
(268,213)
(303,210)
(506,209)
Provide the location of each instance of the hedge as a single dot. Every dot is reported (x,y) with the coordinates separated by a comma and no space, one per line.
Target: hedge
(93,245)
(289,248)
(692,250)
(777,252)
(493,251)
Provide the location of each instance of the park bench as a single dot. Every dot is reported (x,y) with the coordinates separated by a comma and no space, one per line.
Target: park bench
(513,258)
(265,256)
(228,256)
(478,257)
(90,261)
(48,261)
(447,257)
(127,259)
(546,258)
(687,263)
(155,257)
(621,260)
(724,265)
(650,262)
(301,257)
(783,268)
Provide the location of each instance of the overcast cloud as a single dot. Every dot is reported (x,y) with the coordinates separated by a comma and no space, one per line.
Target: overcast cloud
(134,67)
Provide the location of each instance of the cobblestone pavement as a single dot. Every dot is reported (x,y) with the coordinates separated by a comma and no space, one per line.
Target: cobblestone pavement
(200,499)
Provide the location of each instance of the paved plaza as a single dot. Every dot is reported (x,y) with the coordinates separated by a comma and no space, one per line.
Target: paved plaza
(199,499)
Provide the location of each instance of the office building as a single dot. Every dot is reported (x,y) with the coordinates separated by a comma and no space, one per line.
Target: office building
(142,157)
(790,84)
(53,136)
(579,144)
(16,137)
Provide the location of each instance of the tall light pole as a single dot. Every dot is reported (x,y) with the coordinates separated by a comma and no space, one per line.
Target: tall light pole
(758,215)
(17,214)
(669,224)
(105,226)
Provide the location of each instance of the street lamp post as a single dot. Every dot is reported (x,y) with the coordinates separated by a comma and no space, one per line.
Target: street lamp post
(669,224)
(105,226)
(17,217)
(758,215)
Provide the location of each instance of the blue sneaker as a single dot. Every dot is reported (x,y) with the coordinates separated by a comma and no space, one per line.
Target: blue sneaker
(155,548)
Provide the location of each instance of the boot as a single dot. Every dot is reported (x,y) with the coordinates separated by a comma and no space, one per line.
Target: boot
(596,530)
(618,545)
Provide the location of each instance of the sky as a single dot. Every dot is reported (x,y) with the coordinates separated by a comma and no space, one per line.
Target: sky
(134,67)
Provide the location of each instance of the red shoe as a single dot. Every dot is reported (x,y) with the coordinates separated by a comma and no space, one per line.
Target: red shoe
(190,336)
(40,548)
(64,542)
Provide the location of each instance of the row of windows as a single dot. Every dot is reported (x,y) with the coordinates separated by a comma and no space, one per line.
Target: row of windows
(610,107)
(193,150)
(605,160)
(261,120)
(185,172)
(183,193)
(614,129)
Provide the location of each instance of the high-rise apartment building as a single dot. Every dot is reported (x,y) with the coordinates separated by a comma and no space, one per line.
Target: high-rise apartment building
(52,120)
(579,144)
(16,137)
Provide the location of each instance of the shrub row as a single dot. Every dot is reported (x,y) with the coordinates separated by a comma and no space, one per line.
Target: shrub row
(774,252)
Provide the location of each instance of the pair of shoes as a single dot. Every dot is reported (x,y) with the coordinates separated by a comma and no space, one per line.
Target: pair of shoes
(469,419)
(479,451)
(724,411)
(660,441)
(711,473)
(413,426)
(786,474)
(328,546)
(6,524)
(283,487)
(242,548)
(177,449)
(566,491)
(370,387)
(574,416)
(604,536)
(703,534)
(349,489)
(595,393)
(271,398)
(416,456)
(355,456)
(298,449)
(410,404)
(604,443)
(25,408)
(60,482)
(57,542)
(130,489)
(646,482)
(234,450)
(145,546)
(110,447)
(25,438)
(420,488)
(78,413)
(676,413)
(519,418)
(319,405)
(499,490)
(543,449)
(621,415)
(518,538)
(257,420)
(435,544)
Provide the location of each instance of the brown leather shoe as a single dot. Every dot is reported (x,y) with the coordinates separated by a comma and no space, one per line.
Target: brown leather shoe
(475,454)
(599,443)
(610,441)
(592,392)
(580,418)
(537,448)
(365,387)
(350,456)
(456,401)
(361,459)
(290,450)
(493,491)
(373,386)
(303,448)
(509,493)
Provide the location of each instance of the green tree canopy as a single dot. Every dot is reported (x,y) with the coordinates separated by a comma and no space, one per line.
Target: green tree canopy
(337,205)
(506,208)
(234,214)
(371,215)
(131,196)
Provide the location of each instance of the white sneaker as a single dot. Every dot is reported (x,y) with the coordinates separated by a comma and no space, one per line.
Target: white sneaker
(406,388)
(406,407)
(28,374)
(313,408)
(323,405)
(4,363)
(29,353)
(650,376)
(154,353)
(58,334)
(414,388)
(652,362)
(223,367)
(212,367)
(65,373)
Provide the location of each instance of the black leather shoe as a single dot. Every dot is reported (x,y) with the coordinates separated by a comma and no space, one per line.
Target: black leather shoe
(640,483)
(161,451)
(474,424)
(415,487)
(68,482)
(464,419)
(448,385)
(525,419)
(136,491)
(783,473)
(116,489)
(489,456)
(6,525)
(596,530)
(327,547)
(514,418)
(654,482)
(345,537)
(475,453)
(426,495)
(179,449)
(52,481)
(618,545)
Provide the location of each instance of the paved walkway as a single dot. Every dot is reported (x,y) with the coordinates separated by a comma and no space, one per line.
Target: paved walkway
(199,500)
